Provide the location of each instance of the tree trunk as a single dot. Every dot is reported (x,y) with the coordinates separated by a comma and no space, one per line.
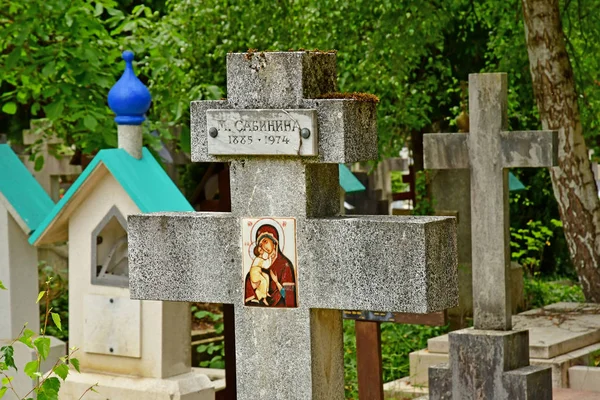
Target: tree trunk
(573,180)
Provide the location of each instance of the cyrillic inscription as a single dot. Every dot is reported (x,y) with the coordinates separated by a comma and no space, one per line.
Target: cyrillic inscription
(262,132)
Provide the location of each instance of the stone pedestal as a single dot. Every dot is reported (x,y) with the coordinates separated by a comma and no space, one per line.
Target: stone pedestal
(189,386)
(489,365)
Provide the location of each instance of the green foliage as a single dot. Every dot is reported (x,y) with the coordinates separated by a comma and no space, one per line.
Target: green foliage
(527,244)
(537,237)
(214,349)
(397,341)
(47,386)
(398,186)
(539,292)
(425,204)
(58,302)
(59,59)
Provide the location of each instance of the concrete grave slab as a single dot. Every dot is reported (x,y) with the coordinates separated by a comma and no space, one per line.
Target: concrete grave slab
(582,377)
(553,330)
(568,394)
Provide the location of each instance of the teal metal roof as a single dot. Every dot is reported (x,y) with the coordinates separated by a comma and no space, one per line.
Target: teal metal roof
(348,181)
(144,180)
(514,184)
(22,192)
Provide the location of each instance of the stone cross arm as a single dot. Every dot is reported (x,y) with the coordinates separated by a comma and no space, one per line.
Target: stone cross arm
(379,263)
(519,149)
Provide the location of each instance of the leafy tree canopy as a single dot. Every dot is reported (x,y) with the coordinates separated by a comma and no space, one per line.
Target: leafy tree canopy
(59,58)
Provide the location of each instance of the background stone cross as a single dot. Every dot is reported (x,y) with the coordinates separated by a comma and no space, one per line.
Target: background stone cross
(375,263)
(488,150)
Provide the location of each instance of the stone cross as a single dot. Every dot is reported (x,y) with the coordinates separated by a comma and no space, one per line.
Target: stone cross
(293,350)
(490,361)
(488,150)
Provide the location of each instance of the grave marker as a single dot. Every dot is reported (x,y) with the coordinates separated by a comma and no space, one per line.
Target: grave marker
(292,348)
(490,361)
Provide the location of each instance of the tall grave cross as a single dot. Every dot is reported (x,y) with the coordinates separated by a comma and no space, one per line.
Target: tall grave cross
(284,257)
(491,361)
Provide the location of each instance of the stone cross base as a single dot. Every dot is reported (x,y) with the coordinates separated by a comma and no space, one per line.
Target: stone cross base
(189,386)
(491,365)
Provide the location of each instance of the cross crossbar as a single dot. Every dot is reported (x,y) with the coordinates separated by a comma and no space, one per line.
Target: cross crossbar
(408,274)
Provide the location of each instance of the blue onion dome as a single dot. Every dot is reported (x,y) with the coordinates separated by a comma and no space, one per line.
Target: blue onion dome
(129,98)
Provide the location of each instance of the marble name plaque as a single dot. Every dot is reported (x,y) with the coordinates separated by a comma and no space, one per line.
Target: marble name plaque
(262,132)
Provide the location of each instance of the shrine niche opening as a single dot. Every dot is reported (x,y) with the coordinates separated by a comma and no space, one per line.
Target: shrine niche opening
(110,266)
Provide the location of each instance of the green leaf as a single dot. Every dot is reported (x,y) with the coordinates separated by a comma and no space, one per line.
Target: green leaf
(75,363)
(39,163)
(201,348)
(26,338)
(7,380)
(43,346)
(49,69)
(8,353)
(31,368)
(90,122)
(49,389)
(62,370)
(2,286)
(54,110)
(201,314)
(56,319)
(9,108)
(99,9)
(40,295)
(3,390)
(27,333)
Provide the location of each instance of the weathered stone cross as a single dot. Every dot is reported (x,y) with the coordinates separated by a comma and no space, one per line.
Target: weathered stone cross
(293,350)
(488,150)
(490,361)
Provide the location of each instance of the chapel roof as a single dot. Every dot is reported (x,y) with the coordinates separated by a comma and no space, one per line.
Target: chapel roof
(144,180)
(348,181)
(20,193)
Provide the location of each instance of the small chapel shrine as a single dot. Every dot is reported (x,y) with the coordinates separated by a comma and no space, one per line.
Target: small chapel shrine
(145,344)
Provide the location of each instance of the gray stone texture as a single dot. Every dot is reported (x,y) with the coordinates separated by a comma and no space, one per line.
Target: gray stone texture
(488,150)
(451,192)
(279,187)
(440,378)
(528,383)
(279,79)
(130,139)
(343,262)
(489,365)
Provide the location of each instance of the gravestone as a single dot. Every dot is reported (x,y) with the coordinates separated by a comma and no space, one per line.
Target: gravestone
(131,349)
(285,204)
(490,361)
(23,205)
